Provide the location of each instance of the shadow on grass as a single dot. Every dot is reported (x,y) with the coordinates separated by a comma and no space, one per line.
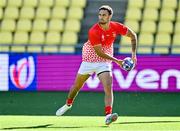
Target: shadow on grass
(46,126)
(146,122)
(28,127)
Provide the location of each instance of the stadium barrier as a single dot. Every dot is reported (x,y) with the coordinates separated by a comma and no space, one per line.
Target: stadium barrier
(56,72)
(37,84)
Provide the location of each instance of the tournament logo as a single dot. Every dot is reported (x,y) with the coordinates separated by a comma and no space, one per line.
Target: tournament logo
(23,72)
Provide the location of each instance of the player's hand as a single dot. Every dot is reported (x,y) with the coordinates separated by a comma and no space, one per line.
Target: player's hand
(119,62)
(134,58)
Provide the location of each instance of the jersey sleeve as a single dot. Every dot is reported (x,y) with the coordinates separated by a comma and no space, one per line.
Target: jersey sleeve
(121,29)
(94,38)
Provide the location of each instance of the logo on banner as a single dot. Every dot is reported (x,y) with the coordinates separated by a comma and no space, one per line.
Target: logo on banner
(4,63)
(22,73)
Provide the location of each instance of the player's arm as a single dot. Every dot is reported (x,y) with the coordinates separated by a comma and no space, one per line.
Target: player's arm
(133,38)
(99,52)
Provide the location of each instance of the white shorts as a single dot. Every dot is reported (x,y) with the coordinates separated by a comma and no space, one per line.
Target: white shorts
(90,68)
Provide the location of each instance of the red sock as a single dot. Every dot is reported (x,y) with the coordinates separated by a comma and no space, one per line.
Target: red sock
(69,102)
(108,110)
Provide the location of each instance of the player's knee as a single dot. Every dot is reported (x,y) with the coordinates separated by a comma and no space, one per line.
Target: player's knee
(108,89)
(107,84)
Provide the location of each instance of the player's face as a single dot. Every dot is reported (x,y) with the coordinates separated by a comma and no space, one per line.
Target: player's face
(104,17)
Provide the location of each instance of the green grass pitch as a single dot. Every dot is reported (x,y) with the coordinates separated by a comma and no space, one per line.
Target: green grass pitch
(90,123)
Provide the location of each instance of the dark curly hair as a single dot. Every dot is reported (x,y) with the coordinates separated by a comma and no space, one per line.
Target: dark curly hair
(108,8)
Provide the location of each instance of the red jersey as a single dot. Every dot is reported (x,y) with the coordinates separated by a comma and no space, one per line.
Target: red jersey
(97,35)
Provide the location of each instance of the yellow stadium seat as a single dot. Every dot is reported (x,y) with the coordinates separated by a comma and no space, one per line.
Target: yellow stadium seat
(43,13)
(24,25)
(177,28)
(56,25)
(144,50)
(150,14)
(46,3)
(53,37)
(162,44)
(148,27)
(133,14)
(175,50)
(78,15)
(3,3)
(18,48)
(125,49)
(172,4)
(30,3)
(167,15)
(1,13)
(27,13)
(69,38)
(146,39)
(78,3)
(40,25)
(57,15)
(145,43)
(125,41)
(135,4)
(165,27)
(11,13)
(50,49)
(37,37)
(16,3)
(20,38)
(162,39)
(134,25)
(4,48)
(64,3)
(178,15)
(67,49)
(153,4)
(5,37)
(72,25)
(34,49)
(176,40)
(8,25)
(161,50)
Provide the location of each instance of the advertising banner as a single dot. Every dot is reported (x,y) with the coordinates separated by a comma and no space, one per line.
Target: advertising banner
(152,74)
(18,72)
(44,72)
(22,72)
(56,72)
(4,63)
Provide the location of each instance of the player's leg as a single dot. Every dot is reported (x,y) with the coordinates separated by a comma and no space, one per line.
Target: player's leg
(106,80)
(78,83)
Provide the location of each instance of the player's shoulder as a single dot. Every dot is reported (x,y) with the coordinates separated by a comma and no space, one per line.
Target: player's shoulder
(115,24)
(94,28)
